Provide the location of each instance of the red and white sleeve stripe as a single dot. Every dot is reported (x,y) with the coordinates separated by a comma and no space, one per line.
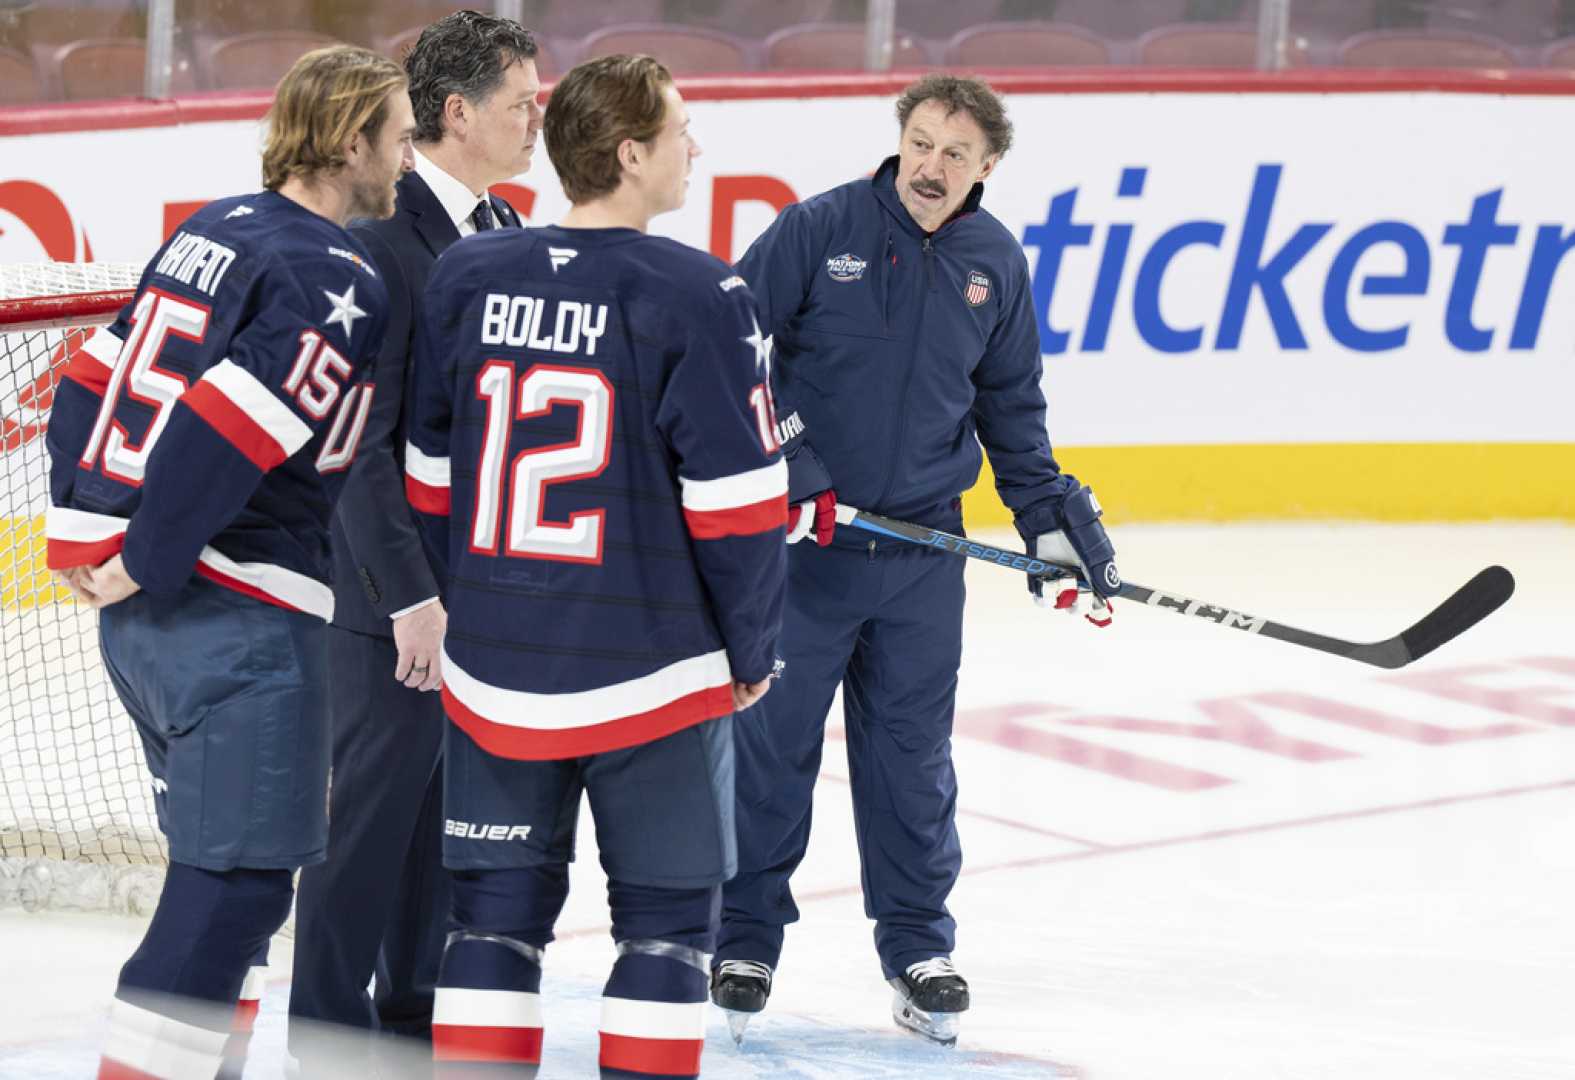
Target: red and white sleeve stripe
(426,481)
(248,415)
(81,537)
(93,361)
(661,1037)
(743,504)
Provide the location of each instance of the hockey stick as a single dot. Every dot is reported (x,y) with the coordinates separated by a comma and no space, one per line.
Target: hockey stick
(1471,603)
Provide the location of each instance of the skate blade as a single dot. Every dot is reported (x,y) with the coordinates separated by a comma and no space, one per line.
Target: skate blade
(938,1027)
(736,1023)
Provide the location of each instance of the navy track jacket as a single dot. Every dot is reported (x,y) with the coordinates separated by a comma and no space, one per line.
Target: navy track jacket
(898,352)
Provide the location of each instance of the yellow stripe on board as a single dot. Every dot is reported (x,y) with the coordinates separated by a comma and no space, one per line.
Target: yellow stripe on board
(25,581)
(1354,481)
(1361,481)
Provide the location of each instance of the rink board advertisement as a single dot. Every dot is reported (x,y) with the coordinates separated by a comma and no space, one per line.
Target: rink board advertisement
(1250,304)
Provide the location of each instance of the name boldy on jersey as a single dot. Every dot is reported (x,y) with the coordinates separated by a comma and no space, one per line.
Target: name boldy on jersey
(517,321)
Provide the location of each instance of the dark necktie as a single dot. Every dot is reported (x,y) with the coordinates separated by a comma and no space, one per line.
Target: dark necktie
(481,216)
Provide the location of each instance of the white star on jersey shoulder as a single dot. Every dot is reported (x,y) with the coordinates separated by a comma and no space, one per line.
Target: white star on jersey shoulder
(762,347)
(343,309)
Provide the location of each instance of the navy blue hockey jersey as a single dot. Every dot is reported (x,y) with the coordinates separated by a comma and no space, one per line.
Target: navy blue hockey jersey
(209,428)
(592,444)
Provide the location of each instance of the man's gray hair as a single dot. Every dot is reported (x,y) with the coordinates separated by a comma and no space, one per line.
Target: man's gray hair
(466,53)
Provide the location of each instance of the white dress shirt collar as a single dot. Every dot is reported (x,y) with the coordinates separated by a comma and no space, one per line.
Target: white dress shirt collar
(456,199)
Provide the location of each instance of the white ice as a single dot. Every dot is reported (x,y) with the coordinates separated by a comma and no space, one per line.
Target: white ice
(1190,854)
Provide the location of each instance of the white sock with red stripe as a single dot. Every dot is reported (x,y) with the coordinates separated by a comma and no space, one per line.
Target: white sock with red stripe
(245,1019)
(653,1011)
(145,1045)
(487,1010)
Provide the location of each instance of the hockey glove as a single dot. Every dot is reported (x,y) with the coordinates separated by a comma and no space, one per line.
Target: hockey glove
(1080,541)
(818,516)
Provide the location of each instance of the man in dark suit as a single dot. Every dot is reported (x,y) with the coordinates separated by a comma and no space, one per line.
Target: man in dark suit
(381,901)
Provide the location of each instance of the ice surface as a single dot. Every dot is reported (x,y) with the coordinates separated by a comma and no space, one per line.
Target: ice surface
(1189,854)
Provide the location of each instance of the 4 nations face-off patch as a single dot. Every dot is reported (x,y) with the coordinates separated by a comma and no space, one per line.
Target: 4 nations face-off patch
(978,290)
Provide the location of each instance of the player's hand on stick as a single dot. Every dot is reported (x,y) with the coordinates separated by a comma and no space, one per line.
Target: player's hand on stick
(1081,541)
(746,694)
(816,516)
(107,584)
(418,635)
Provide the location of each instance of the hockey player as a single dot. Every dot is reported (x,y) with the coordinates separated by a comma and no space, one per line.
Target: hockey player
(380,902)
(196,448)
(902,319)
(592,423)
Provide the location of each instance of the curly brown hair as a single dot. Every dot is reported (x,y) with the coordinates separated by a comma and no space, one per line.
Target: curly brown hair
(955,93)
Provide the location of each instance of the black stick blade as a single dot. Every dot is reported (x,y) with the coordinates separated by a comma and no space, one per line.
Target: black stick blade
(1471,603)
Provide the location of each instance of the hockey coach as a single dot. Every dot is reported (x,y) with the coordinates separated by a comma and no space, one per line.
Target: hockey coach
(904,338)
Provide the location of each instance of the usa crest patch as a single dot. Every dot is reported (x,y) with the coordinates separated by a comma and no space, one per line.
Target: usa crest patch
(978,290)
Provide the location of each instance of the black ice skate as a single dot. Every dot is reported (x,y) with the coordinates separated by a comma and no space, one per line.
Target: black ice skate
(740,989)
(931,998)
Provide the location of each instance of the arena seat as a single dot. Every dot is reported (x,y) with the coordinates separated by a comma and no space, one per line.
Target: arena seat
(1425,49)
(257,60)
(1518,22)
(1560,54)
(579,18)
(1208,45)
(1120,20)
(95,68)
(19,79)
(685,50)
(1026,44)
(835,47)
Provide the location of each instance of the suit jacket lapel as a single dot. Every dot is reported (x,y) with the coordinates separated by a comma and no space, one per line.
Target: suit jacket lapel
(503,212)
(431,222)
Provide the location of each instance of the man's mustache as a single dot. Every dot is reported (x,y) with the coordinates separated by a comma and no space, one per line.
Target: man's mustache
(928,187)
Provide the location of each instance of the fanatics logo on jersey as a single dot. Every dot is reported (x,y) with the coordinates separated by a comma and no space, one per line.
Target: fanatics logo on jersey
(560,257)
(239,211)
(845,267)
(343,310)
(731,283)
(978,290)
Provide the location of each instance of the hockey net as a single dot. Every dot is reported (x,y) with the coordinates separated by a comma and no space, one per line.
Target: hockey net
(77,828)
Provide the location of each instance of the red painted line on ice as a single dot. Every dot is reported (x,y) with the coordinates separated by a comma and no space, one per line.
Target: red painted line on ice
(1010,823)
(1176,841)
(1225,834)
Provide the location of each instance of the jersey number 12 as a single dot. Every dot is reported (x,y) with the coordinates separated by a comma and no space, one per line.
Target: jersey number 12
(530,535)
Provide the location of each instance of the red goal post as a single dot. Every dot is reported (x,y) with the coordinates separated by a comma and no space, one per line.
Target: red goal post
(77,828)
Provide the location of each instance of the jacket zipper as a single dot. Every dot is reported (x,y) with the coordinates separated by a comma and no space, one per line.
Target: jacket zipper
(907,378)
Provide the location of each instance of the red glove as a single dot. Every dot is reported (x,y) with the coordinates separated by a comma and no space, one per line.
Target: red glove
(819,515)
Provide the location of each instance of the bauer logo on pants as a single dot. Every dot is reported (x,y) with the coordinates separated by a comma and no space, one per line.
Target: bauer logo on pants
(469,831)
(978,290)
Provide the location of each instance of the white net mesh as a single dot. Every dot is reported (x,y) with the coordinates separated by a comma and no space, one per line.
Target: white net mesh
(76,812)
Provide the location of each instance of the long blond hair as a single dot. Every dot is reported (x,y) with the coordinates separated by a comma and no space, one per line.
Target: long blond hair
(322,102)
